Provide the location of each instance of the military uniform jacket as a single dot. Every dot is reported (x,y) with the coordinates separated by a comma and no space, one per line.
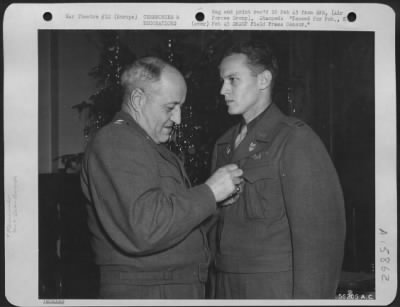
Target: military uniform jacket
(142,211)
(290,214)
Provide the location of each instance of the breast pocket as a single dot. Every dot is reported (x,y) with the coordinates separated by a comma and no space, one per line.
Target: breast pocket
(262,193)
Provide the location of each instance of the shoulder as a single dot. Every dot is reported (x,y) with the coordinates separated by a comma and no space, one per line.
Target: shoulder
(117,136)
(294,122)
(301,135)
(283,128)
(119,131)
(297,127)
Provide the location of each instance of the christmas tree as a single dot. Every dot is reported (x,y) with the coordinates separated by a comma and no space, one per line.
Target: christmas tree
(103,104)
(196,54)
(202,113)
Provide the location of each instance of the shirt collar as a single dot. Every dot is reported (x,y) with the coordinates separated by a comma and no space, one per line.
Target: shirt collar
(131,122)
(255,120)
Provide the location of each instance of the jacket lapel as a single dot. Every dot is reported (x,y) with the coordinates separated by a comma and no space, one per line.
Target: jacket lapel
(260,136)
(225,146)
(172,158)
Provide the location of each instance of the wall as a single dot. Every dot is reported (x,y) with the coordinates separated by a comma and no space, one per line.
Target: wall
(65,59)
(46,110)
(76,58)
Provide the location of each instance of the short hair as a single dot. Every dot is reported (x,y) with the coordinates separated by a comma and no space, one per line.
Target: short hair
(259,54)
(140,73)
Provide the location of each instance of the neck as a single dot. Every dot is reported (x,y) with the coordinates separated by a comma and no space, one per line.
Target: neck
(248,117)
(127,109)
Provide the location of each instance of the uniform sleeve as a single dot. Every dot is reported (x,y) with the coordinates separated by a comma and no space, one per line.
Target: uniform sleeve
(211,226)
(315,209)
(139,216)
(211,223)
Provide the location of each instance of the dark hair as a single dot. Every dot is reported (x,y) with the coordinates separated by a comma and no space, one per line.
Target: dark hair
(259,54)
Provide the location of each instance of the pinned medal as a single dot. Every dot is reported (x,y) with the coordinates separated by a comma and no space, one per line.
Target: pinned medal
(228,150)
(252,146)
(256,156)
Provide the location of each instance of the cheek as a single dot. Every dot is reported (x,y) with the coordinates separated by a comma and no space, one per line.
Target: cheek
(162,122)
(240,92)
(248,91)
(166,119)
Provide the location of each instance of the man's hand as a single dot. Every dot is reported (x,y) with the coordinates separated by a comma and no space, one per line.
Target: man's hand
(234,197)
(224,181)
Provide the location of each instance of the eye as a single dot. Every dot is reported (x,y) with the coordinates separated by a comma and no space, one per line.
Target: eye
(170,108)
(232,79)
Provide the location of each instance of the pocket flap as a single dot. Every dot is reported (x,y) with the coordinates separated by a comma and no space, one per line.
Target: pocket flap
(253,174)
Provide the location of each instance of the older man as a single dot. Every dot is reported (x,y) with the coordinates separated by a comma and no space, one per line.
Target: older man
(284,237)
(144,215)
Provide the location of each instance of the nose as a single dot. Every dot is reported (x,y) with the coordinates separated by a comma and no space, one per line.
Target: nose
(176,115)
(224,89)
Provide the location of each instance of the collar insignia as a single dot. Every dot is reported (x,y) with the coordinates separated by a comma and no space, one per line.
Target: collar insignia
(252,146)
(119,121)
(256,156)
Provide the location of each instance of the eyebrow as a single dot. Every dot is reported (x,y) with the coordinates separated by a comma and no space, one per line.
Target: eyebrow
(173,103)
(233,74)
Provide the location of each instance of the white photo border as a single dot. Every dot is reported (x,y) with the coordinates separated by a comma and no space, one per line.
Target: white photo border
(20,34)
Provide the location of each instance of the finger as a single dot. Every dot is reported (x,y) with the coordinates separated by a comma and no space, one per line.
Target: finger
(229,201)
(237,172)
(236,180)
(231,167)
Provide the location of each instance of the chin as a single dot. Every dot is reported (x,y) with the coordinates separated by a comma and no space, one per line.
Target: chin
(164,139)
(233,111)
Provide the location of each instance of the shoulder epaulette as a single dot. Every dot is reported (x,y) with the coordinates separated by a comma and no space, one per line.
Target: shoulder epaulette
(294,122)
(119,122)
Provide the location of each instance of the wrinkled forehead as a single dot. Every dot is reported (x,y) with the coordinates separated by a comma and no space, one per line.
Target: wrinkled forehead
(172,85)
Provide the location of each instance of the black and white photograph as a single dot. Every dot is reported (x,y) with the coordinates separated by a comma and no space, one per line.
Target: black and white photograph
(209,165)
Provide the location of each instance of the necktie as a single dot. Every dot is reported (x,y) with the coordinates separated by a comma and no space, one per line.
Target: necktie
(241,135)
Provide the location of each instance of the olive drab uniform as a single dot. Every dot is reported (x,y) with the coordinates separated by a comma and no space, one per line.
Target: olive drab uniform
(144,216)
(284,236)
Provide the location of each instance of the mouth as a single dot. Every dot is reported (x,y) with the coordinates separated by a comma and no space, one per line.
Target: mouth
(171,131)
(229,101)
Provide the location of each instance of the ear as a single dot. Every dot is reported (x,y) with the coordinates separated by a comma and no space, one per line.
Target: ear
(264,79)
(137,99)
